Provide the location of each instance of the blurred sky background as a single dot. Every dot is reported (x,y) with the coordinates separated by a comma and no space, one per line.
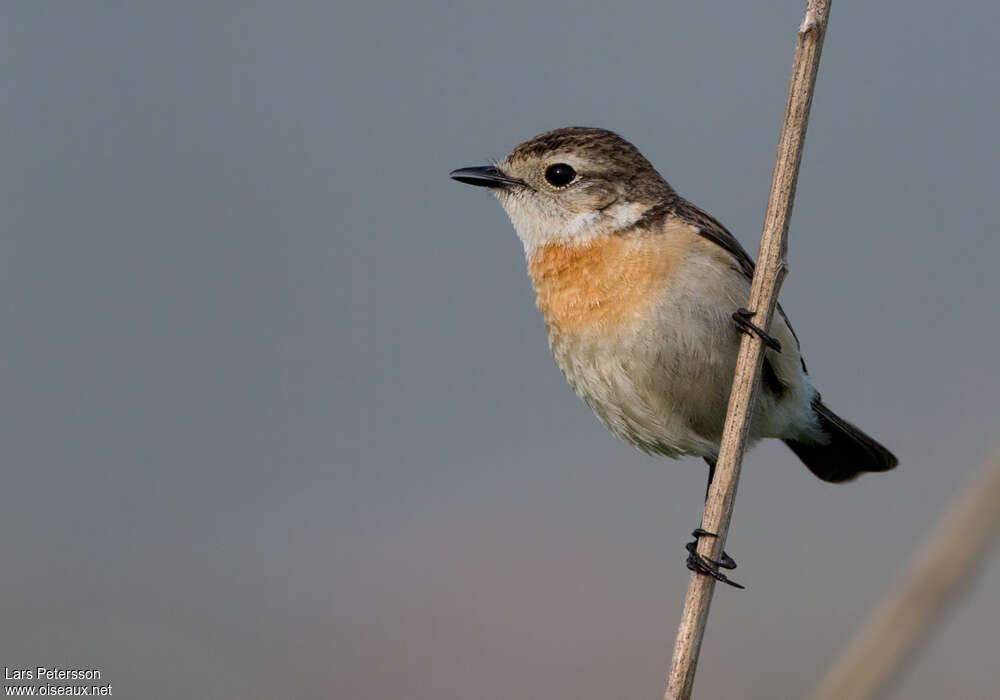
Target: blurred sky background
(279,418)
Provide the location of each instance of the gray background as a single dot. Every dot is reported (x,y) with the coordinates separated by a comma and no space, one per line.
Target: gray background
(278,415)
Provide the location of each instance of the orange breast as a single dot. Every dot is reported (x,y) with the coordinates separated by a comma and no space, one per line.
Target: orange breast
(605,282)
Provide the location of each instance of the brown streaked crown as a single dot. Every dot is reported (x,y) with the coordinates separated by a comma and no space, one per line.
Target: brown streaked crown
(618,159)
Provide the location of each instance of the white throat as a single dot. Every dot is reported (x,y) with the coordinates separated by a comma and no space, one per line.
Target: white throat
(537,228)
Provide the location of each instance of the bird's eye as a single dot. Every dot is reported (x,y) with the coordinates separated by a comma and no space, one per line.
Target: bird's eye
(559,174)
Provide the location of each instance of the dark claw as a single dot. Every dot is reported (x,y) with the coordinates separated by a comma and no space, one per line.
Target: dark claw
(742,318)
(727,561)
(706,565)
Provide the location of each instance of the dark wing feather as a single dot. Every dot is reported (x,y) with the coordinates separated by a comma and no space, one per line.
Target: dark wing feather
(715,232)
(711,229)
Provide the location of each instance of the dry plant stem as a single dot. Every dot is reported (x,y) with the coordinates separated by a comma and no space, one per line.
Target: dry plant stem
(946,562)
(770,273)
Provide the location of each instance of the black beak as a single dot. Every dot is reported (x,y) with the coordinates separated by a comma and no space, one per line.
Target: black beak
(484,176)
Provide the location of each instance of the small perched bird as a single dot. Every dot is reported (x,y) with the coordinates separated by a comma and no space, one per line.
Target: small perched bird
(641,292)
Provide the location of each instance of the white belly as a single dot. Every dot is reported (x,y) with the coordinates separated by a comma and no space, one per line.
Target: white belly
(662,383)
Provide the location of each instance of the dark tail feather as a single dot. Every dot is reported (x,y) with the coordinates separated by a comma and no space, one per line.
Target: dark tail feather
(848,453)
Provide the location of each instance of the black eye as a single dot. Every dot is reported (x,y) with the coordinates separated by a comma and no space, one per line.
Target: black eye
(559,174)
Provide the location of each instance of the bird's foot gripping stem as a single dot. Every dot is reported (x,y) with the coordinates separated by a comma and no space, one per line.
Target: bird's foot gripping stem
(701,564)
(742,318)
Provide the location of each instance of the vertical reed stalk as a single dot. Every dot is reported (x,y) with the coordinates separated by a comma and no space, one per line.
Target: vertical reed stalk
(767,279)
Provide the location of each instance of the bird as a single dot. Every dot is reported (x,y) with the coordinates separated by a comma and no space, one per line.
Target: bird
(642,296)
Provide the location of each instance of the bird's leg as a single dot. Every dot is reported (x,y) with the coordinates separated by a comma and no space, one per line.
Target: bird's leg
(727,561)
(711,476)
(742,318)
(699,562)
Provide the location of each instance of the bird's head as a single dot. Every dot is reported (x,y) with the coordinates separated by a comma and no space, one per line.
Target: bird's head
(571,185)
